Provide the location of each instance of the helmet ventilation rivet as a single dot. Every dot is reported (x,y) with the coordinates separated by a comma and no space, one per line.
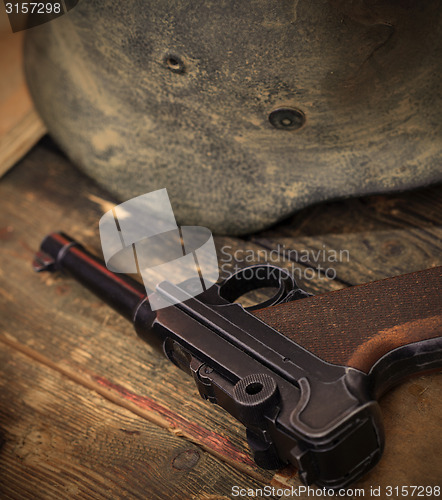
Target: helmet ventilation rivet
(174,63)
(287,118)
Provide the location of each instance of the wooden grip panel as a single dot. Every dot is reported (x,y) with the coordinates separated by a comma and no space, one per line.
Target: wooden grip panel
(358,325)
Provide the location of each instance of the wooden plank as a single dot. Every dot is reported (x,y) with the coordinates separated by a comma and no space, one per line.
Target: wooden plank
(365,239)
(20,126)
(72,332)
(61,440)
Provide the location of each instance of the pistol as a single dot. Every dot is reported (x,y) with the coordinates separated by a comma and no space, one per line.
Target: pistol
(302,373)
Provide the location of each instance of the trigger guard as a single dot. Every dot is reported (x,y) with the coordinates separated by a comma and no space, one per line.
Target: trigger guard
(259,276)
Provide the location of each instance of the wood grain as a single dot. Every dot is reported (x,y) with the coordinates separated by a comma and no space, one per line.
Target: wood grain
(20,126)
(377,237)
(87,339)
(61,440)
(72,336)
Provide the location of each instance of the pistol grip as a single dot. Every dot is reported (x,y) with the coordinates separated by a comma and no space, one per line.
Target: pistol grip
(368,327)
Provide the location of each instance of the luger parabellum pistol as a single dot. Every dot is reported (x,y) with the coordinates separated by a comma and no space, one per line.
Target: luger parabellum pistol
(304,375)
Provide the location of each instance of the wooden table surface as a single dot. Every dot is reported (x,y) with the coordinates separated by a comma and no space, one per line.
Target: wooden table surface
(87,410)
